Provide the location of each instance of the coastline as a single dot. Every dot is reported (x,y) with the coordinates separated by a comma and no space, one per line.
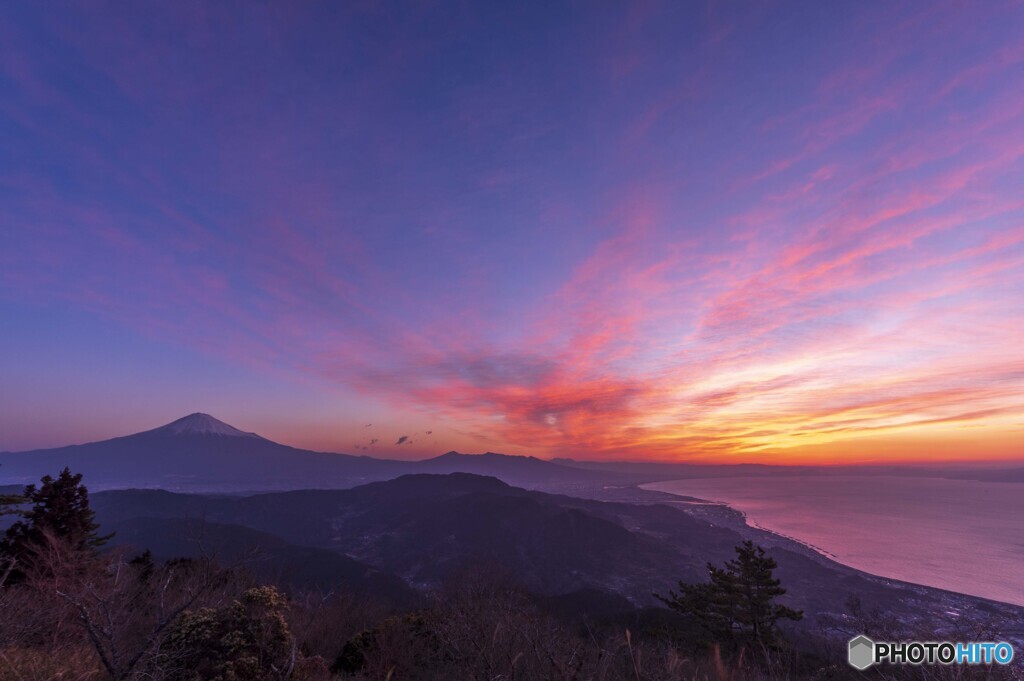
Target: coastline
(937,566)
(752,524)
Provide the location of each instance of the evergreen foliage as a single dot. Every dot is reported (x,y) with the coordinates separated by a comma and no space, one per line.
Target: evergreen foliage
(246,641)
(59,510)
(737,605)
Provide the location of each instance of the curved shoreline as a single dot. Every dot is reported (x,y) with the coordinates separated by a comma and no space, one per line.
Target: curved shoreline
(752,524)
(696,501)
(949,567)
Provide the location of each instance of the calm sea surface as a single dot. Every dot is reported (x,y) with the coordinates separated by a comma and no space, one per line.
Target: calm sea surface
(959,535)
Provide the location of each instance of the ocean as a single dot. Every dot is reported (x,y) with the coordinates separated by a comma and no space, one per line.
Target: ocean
(960,535)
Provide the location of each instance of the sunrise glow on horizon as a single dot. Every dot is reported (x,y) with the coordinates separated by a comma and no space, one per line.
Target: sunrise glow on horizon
(709,232)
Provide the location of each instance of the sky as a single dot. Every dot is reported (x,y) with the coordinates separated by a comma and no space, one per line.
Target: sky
(726,231)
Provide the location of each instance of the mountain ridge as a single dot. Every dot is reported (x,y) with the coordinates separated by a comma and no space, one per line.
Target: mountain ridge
(200,453)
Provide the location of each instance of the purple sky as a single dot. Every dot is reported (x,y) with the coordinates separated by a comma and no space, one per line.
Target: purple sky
(721,231)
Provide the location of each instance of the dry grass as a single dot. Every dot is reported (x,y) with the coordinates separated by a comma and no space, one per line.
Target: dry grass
(33,664)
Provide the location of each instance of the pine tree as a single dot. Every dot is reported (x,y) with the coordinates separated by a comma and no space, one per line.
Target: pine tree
(755,589)
(737,604)
(60,510)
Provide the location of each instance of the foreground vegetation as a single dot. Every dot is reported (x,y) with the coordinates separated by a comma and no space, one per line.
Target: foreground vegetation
(69,609)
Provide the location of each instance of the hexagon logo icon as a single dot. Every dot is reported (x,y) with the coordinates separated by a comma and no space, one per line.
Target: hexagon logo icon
(862,652)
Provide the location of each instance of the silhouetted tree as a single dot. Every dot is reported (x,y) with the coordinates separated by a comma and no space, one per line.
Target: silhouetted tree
(755,590)
(738,602)
(706,605)
(60,511)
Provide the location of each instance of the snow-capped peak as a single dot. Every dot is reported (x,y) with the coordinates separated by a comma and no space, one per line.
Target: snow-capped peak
(202,424)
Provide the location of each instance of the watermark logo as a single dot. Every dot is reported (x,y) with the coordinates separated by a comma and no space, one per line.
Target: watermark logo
(863,652)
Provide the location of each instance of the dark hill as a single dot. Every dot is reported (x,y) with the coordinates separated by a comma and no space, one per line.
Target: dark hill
(428,528)
(266,556)
(432,529)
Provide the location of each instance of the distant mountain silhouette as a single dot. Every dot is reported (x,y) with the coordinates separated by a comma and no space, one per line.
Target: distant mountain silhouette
(200,453)
(1010,471)
(196,452)
(521,469)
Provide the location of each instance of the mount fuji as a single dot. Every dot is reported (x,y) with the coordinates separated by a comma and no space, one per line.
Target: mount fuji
(199,453)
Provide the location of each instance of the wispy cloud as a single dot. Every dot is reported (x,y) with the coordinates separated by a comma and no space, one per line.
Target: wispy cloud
(585,237)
